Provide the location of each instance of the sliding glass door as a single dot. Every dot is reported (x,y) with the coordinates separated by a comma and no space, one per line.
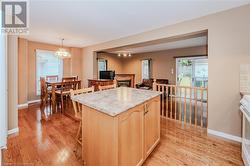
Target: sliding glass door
(192,72)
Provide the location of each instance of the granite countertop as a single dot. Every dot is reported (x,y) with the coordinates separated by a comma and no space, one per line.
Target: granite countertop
(115,101)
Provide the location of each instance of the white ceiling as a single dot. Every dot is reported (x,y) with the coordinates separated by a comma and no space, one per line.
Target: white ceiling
(89,22)
(199,41)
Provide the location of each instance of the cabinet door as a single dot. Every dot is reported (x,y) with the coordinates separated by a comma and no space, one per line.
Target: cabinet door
(151,125)
(131,137)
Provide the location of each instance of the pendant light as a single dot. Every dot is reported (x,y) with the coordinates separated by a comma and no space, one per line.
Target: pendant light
(62,52)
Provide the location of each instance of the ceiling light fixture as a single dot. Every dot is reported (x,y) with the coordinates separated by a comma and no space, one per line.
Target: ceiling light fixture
(124,54)
(62,52)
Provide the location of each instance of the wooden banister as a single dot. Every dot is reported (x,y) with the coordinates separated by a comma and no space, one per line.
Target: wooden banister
(183,103)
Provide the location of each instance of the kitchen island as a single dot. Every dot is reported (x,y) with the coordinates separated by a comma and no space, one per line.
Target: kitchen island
(120,126)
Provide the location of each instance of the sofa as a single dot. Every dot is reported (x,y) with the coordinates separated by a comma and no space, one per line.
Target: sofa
(147,84)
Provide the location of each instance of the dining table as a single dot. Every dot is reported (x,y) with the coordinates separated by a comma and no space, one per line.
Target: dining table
(54,84)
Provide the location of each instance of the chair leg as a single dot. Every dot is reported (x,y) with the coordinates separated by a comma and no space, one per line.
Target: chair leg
(78,142)
(46,98)
(78,135)
(62,104)
(50,99)
(66,101)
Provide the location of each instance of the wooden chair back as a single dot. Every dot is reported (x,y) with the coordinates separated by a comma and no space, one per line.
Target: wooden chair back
(52,78)
(71,78)
(68,85)
(44,92)
(106,87)
(77,105)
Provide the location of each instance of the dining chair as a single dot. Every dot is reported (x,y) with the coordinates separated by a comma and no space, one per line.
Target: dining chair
(52,78)
(71,78)
(64,91)
(78,109)
(106,87)
(44,90)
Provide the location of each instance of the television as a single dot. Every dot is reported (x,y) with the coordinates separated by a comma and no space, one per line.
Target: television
(109,74)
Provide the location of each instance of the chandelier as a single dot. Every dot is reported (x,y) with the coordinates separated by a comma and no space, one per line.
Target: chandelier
(124,54)
(62,52)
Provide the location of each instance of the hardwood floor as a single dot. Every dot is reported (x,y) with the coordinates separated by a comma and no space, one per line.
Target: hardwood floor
(186,145)
(51,142)
(44,143)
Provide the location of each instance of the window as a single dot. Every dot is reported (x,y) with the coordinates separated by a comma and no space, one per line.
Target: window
(146,68)
(102,64)
(47,64)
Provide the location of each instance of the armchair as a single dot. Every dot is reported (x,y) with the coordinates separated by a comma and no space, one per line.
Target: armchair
(148,83)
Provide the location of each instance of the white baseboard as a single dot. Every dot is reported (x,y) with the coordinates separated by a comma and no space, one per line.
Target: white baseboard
(34,101)
(224,135)
(22,106)
(12,131)
(25,105)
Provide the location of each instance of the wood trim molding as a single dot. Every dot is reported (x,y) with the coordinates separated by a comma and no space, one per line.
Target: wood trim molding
(224,135)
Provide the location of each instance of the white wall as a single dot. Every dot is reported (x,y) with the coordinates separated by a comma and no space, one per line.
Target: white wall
(3,92)
(12,58)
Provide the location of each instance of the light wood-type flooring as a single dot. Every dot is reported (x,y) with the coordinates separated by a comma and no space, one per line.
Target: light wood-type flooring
(51,142)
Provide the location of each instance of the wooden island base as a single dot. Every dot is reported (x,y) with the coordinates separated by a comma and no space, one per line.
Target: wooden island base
(126,139)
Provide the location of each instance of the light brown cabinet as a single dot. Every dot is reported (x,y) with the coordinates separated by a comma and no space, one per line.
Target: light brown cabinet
(124,140)
(151,125)
(131,137)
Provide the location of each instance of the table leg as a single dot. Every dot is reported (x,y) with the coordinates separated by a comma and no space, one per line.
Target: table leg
(53,98)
